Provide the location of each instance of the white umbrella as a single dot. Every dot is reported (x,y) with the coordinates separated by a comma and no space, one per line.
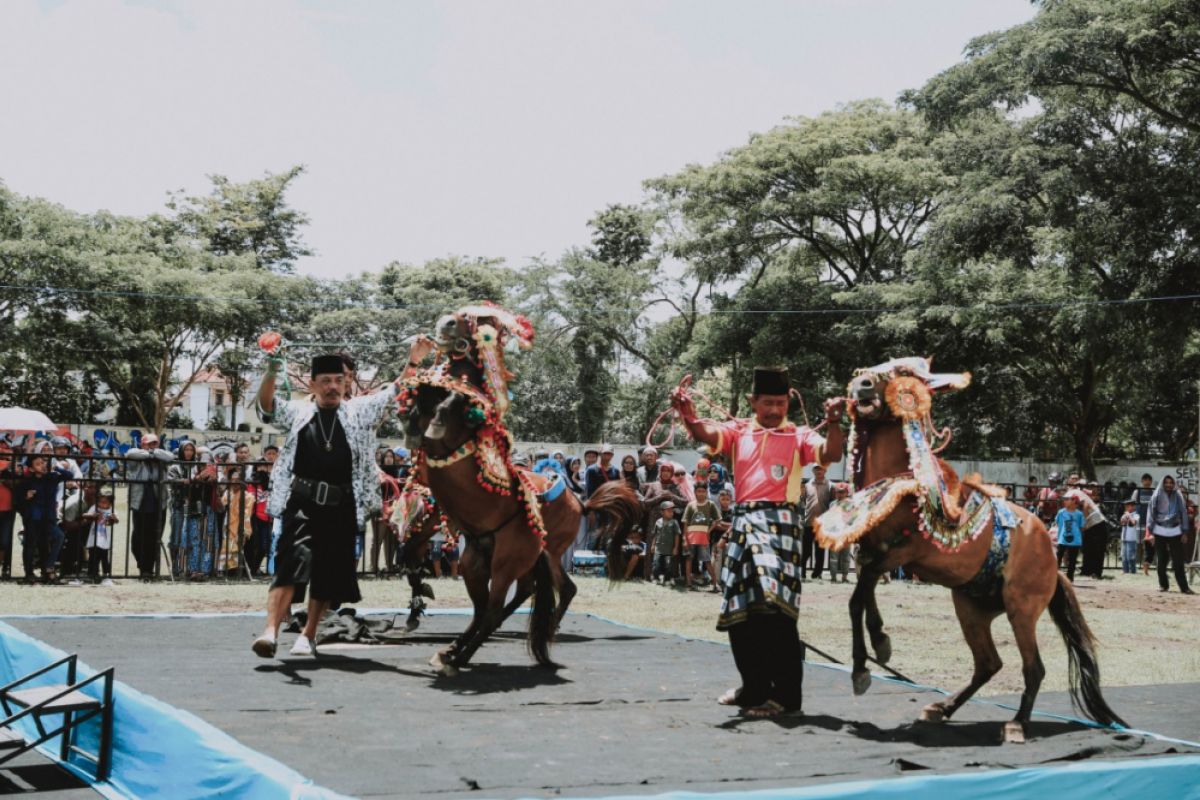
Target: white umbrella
(24,420)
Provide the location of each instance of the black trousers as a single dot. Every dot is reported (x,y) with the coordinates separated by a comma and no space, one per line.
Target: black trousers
(99,560)
(1095,539)
(145,540)
(1071,554)
(808,547)
(770,657)
(1172,546)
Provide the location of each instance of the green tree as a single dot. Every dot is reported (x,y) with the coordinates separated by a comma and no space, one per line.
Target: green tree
(251,218)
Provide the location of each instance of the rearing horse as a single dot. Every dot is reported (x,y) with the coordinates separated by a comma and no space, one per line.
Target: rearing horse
(911,510)
(464,455)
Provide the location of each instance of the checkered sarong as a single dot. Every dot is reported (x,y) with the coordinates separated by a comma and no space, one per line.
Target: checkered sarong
(761,571)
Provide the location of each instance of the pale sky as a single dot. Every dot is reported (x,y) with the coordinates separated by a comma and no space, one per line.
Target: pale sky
(436,128)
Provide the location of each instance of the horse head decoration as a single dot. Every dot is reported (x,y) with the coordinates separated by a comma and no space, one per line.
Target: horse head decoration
(472,340)
(910,509)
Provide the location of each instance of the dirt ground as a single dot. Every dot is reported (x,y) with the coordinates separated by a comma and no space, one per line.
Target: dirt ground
(1145,636)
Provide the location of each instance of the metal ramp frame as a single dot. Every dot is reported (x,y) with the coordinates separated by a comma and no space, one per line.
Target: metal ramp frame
(67,701)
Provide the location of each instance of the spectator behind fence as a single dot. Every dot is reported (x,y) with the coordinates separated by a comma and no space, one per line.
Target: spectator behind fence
(146,474)
(73,556)
(179,475)
(239,511)
(818,493)
(38,497)
(8,511)
(101,521)
(1131,533)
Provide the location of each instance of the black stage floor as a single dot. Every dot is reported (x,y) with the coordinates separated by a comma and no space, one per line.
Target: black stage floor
(633,712)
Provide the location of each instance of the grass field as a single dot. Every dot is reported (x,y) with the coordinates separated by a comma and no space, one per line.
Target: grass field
(1145,636)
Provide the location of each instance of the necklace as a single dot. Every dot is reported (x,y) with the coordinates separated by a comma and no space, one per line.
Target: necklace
(327,437)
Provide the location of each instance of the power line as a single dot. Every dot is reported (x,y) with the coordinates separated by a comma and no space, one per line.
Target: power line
(384,306)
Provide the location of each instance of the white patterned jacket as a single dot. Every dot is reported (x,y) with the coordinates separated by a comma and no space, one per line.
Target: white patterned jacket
(360,419)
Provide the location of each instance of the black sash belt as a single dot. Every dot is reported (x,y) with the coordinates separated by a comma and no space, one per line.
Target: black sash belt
(320,492)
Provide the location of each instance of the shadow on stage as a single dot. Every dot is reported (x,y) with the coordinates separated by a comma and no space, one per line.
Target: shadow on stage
(921,734)
(481,678)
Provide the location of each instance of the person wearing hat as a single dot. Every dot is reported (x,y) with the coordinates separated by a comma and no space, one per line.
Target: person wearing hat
(665,543)
(760,579)
(324,486)
(1131,534)
(648,470)
(148,502)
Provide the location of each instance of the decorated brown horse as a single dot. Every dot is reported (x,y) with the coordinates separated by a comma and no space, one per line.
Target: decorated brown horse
(417,519)
(518,524)
(912,510)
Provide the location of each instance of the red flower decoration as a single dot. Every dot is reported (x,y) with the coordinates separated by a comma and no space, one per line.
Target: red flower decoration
(270,342)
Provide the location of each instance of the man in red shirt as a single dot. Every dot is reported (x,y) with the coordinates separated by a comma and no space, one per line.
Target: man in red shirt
(760,579)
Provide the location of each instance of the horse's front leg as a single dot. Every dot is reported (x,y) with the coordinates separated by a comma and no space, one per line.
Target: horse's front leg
(859,675)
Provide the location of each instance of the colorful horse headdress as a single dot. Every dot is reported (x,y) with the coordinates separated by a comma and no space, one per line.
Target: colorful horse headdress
(484,330)
(911,384)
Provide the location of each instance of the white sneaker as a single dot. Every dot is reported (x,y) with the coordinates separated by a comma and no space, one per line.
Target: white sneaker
(264,647)
(304,646)
(106,582)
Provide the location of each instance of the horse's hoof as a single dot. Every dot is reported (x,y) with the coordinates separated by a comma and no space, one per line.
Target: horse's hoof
(439,659)
(449,671)
(861,681)
(933,713)
(883,650)
(1014,733)
(411,624)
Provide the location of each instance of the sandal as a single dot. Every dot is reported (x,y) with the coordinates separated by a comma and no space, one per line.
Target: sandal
(730,698)
(772,709)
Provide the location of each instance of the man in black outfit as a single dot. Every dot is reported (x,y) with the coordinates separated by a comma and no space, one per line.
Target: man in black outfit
(324,486)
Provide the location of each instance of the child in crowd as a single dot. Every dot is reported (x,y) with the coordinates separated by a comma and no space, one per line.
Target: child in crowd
(718,537)
(1069,522)
(698,520)
(666,542)
(635,551)
(102,522)
(1131,533)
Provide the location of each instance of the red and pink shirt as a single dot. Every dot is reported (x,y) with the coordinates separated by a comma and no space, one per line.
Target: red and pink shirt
(767,462)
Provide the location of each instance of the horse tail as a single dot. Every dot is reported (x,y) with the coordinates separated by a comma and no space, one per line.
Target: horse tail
(1083,669)
(621,510)
(541,617)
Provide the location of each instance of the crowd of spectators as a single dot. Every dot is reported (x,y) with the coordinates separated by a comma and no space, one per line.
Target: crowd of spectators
(686,514)
(210,504)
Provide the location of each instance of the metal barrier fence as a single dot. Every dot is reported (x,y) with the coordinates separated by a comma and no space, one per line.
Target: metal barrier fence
(207,528)
(204,524)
